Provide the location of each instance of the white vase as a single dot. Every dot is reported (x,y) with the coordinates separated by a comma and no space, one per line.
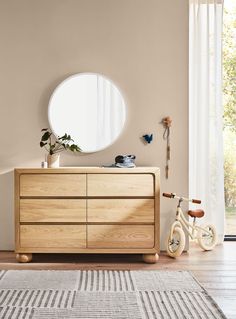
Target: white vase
(53,160)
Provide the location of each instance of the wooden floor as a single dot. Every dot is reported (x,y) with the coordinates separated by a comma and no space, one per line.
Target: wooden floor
(215,270)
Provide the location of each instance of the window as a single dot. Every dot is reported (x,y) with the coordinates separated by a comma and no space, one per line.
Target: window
(229,128)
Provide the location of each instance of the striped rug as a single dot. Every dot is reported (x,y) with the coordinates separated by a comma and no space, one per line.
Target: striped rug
(26,294)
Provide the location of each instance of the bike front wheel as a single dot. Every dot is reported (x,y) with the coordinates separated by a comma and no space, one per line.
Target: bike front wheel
(207,237)
(176,242)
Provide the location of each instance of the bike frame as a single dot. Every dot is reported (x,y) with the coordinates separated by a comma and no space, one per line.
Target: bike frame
(182,222)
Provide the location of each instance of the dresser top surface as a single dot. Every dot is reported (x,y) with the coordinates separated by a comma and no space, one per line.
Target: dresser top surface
(89,169)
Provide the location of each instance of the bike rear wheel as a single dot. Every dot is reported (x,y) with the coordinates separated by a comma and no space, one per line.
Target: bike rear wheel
(175,243)
(207,239)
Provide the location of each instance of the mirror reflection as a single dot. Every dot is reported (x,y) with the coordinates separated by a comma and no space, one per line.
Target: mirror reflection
(90,108)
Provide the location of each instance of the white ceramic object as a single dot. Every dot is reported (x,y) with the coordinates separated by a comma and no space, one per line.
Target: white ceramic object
(44,164)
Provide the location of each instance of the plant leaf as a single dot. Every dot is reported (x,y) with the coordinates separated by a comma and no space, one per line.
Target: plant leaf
(42,144)
(46,136)
(74,148)
(63,137)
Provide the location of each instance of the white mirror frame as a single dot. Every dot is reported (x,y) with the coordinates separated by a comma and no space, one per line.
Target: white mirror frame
(60,121)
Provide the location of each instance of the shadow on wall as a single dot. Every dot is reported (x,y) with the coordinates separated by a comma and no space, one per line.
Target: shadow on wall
(7,210)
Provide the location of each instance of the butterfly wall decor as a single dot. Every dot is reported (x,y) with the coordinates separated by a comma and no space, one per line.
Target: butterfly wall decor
(148,138)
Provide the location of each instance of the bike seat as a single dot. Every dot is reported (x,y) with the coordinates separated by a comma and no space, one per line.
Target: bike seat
(198,213)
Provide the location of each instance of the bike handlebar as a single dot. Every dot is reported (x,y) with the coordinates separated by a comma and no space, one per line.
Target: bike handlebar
(169,195)
(196,201)
(173,195)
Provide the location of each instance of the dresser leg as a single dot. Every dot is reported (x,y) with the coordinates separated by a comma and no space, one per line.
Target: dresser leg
(150,258)
(24,258)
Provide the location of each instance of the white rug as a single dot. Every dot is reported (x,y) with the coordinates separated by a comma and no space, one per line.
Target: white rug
(36,294)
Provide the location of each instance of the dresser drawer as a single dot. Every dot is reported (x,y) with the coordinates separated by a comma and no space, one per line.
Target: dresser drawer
(53,236)
(52,210)
(120,236)
(121,210)
(120,185)
(53,185)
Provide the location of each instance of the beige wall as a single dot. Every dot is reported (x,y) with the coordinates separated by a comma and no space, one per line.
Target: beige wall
(142,45)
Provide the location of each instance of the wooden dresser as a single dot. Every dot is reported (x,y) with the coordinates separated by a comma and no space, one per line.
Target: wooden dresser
(87,210)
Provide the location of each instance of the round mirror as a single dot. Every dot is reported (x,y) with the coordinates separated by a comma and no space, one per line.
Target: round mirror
(90,108)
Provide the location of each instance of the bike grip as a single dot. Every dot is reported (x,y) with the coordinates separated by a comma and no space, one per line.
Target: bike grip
(196,201)
(169,195)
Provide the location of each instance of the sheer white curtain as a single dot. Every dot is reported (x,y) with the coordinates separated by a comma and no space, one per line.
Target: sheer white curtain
(206,173)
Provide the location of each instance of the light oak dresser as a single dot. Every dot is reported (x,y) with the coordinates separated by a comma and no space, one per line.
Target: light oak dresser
(87,210)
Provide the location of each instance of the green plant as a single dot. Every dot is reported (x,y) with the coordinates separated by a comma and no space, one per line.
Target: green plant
(58,144)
